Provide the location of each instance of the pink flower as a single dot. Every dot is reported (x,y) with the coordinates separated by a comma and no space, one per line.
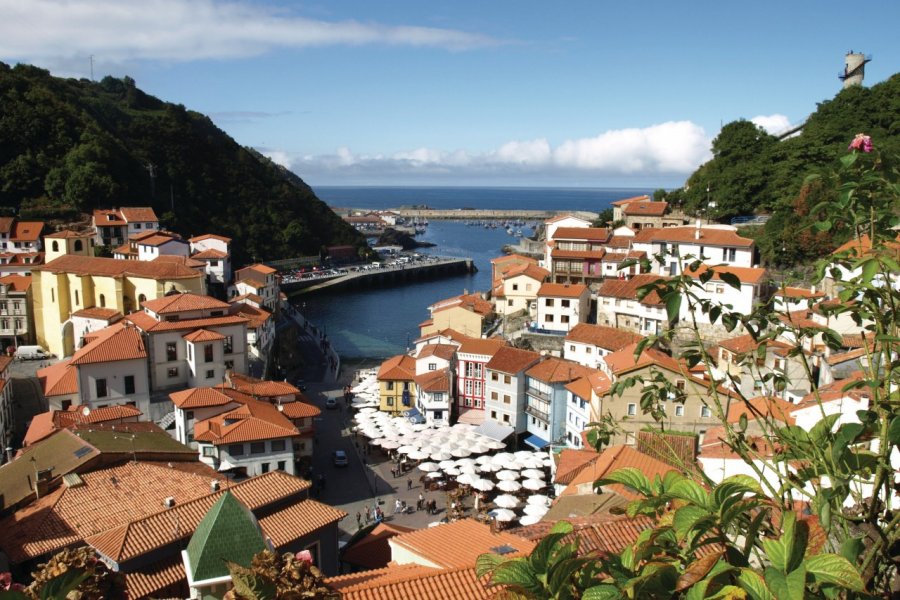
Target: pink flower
(305,556)
(861,142)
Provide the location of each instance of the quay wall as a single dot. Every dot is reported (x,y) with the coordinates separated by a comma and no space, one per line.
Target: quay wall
(467,214)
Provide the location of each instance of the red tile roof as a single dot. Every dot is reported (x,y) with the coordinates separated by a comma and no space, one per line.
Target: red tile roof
(398,368)
(562,290)
(138,213)
(481,347)
(743,344)
(114,343)
(772,406)
(403,582)
(627,201)
(111,267)
(182,303)
(594,234)
(153,531)
(623,361)
(372,551)
(26,231)
(209,254)
(299,410)
(261,387)
(253,421)
(626,289)
(709,236)
(613,459)
(797,292)
(648,208)
(585,254)
(512,360)
(153,579)
(458,544)
(608,338)
(256,317)
(210,236)
(16,283)
(527,270)
(434,381)
(199,398)
(149,324)
(445,351)
(557,370)
(513,257)
(60,379)
(292,522)
(110,315)
(470,302)
(203,335)
(601,533)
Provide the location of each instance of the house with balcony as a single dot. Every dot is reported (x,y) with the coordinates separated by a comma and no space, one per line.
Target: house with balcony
(20,237)
(435,376)
(552,225)
(260,325)
(502,264)
(505,386)
(472,357)
(742,366)
(619,305)
(582,394)
(546,400)
(711,244)
(16,318)
(114,227)
(642,212)
(587,344)
(561,306)
(215,251)
(753,290)
(575,254)
(397,385)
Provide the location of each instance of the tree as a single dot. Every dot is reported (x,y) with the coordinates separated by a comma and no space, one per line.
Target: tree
(274,576)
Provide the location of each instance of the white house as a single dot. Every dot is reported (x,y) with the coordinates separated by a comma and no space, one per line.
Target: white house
(517,289)
(712,244)
(215,251)
(260,326)
(586,344)
(583,394)
(753,290)
(505,386)
(257,279)
(162,244)
(435,375)
(561,306)
(546,400)
(89,320)
(116,226)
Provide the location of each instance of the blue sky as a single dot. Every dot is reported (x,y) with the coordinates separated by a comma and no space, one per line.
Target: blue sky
(468,93)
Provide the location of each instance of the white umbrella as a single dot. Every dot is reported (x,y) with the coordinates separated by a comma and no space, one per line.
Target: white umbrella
(368,411)
(506,501)
(390,444)
(447,464)
(466,468)
(509,486)
(523,454)
(452,471)
(529,520)
(532,463)
(407,448)
(466,478)
(507,476)
(435,475)
(428,467)
(548,462)
(483,485)
(489,467)
(465,462)
(513,464)
(533,474)
(479,448)
(441,456)
(533,484)
(502,514)
(483,459)
(460,452)
(495,445)
(539,499)
(536,510)
(418,455)
(502,457)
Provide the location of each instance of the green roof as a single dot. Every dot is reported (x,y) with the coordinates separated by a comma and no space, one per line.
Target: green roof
(138,441)
(229,531)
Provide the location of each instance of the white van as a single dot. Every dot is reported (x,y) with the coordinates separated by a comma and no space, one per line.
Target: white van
(31,353)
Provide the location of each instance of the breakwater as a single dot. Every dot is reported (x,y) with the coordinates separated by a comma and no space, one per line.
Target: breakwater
(476,214)
(383,275)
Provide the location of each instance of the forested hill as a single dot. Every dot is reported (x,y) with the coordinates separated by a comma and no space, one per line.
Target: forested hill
(68,146)
(754,172)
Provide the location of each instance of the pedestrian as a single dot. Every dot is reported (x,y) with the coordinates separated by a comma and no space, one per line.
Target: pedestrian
(368,516)
(420,503)
(358,520)
(379,514)
(408,483)
(397,506)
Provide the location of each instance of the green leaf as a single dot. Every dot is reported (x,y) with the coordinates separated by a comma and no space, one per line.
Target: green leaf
(561,573)
(786,587)
(869,270)
(690,491)
(516,572)
(673,306)
(776,553)
(894,431)
(629,476)
(831,568)
(249,584)
(847,160)
(755,586)
(486,563)
(540,557)
(731,279)
(687,517)
(604,591)
(14,595)
(62,584)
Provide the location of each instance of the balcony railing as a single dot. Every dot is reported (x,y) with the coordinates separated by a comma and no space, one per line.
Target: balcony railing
(538,394)
(537,413)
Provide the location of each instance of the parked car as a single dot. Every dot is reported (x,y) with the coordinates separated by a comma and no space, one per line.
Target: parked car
(340,458)
(31,353)
(331,403)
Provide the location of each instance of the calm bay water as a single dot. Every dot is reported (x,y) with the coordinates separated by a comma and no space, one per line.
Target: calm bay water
(378,323)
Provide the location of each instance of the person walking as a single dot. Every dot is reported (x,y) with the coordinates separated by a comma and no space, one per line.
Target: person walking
(397,506)
(408,483)
(368,515)
(358,520)
(421,502)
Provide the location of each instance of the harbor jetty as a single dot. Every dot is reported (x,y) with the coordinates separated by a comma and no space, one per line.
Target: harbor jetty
(472,214)
(378,275)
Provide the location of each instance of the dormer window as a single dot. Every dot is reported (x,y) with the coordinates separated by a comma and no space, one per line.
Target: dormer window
(110,217)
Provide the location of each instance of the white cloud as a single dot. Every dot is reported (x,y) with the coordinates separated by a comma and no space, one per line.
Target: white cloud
(278,157)
(772,123)
(184,30)
(672,149)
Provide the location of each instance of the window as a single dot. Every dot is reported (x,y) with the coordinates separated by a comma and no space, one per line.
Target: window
(207,353)
(494,395)
(264,468)
(679,384)
(495,376)
(679,410)
(564,303)
(506,399)
(729,254)
(549,302)
(77,298)
(129,384)
(236,449)
(390,385)
(705,411)
(137,226)
(229,344)
(190,352)
(509,302)
(171,351)
(515,287)
(141,299)
(281,465)
(190,415)
(506,418)
(257,447)
(390,401)
(210,373)
(549,318)
(564,319)
(432,366)
(506,379)
(102,301)
(55,246)
(209,451)
(494,415)
(78,246)
(101,388)
(52,294)
(229,365)
(172,372)
(632,410)
(588,350)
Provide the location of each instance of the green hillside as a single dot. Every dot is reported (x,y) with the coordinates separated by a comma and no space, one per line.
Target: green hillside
(752,172)
(68,146)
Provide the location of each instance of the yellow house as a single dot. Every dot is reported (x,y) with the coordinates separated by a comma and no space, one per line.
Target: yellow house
(396,384)
(465,314)
(71,283)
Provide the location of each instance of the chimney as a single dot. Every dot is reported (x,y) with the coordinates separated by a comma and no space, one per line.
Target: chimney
(169,502)
(214,485)
(812,289)
(697,231)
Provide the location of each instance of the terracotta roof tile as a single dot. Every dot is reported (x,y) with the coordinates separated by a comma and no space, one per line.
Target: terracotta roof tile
(109,315)
(256,317)
(709,236)
(6,224)
(527,270)
(434,381)
(648,208)
(113,343)
(626,201)
(612,459)
(445,351)
(450,584)
(293,522)
(608,338)
(210,236)
(209,254)
(299,410)
(138,213)
(372,551)
(16,283)
(149,324)
(481,347)
(253,421)
(557,370)
(184,261)
(513,258)
(623,361)
(512,360)
(626,289)
(398,368)
(159,238)
(597,533)
(458,544)
(599,254)
(60,379)
(797,292)
(743,344)
(111,267)
(773,407)
(562,290)
(203,335)
(140,536)
(570,462)
(262,388)
(26,231)
(154,578)
(69,234)
(595,234)
(199,398)
(470,302)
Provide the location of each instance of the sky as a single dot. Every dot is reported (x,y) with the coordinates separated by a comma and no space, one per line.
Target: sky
(468,93)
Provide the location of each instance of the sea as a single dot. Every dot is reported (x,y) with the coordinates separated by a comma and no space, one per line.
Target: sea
(373,324)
